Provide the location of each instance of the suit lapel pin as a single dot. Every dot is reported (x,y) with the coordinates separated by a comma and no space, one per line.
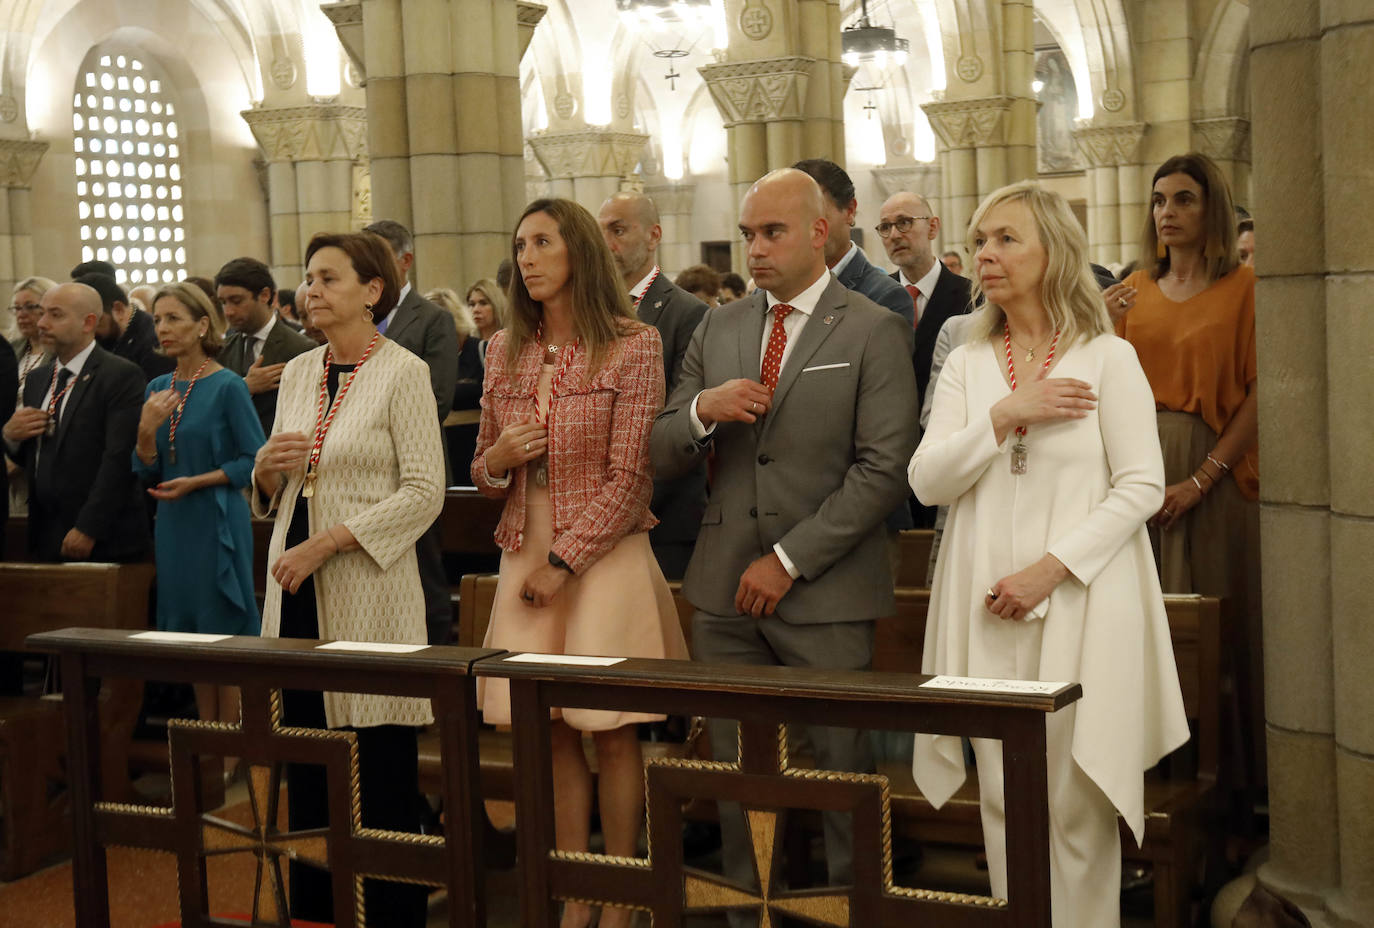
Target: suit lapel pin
(658,304)
(829,318)
(85,377)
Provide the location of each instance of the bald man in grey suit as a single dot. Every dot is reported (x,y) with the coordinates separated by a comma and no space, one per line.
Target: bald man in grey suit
(791,565)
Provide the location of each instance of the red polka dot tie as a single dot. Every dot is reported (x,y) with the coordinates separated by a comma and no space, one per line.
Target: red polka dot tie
(777,343)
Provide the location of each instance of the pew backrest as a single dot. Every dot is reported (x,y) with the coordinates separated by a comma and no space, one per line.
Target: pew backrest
(47,597)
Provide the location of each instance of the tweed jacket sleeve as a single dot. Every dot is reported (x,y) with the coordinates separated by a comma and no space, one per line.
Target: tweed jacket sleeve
(390,527)
(620,505)
(489,427)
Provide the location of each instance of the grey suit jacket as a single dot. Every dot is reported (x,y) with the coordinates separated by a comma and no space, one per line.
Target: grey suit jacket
(283,343)
(427,330)
(861,276)
(818,474)
(679,503)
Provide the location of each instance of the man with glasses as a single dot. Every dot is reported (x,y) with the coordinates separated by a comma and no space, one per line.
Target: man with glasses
(908,227)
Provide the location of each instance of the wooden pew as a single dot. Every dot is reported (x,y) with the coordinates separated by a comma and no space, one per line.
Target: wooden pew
(914,547)
(45,597)
(1177,807)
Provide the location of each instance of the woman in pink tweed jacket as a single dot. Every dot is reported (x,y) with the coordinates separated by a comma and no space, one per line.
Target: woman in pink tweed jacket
(572,387)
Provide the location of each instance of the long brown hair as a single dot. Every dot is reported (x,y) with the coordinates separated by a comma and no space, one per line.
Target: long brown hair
(601,309)
(1220,256)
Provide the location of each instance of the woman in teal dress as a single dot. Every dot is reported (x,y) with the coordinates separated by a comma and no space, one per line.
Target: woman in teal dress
(197,437)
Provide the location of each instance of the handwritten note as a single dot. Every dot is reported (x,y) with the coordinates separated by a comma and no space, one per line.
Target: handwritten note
(180,637)
(376,647)
(579,660)
(988,685)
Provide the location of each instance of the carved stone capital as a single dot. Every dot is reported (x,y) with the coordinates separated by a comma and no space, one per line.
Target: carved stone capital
(1110,145)
(760,89)
(969,123)
(527,16)
(1226,138)
(347,18)
(18,160)
(922,178)
(672,199)
(588,152)
(320,132)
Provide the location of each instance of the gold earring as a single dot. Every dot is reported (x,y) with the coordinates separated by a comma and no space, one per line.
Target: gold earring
(367,308)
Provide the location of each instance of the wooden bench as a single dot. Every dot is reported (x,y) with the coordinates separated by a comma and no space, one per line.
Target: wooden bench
(34,806)
(914,548)
(1177,806)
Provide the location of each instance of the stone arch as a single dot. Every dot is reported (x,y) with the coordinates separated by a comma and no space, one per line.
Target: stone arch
(1222,84)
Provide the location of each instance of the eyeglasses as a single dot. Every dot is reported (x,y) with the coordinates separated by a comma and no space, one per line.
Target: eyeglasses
(904,224)
(26,308)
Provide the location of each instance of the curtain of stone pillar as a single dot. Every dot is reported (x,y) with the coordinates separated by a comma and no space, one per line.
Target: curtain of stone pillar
(677,249)
(974,156)
(444,128)
(589,164)
(18,160)
(284,224)
(1315,341)
(1018,62)
(1116,195)
(1132,196)
(1103,219)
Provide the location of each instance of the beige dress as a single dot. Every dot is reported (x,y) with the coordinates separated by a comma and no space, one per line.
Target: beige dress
(618,607)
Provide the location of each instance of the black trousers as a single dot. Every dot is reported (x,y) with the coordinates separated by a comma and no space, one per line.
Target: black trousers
(389,786)
(429,554)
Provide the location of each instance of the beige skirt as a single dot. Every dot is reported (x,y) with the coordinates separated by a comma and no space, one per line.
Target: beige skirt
(1214,550)
(620,606)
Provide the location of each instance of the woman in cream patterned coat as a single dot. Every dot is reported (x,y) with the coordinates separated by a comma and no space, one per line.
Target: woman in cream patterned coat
(354,471)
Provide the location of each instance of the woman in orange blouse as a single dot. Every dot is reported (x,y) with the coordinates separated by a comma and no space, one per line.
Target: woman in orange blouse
(1193,327)
(572,387)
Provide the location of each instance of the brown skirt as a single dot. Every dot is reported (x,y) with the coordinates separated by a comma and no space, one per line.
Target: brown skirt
(1214,550)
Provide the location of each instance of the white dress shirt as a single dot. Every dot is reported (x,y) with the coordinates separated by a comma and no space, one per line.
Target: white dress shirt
(843,263)
(638,290)
(258,340)
(803,305)
(926,285)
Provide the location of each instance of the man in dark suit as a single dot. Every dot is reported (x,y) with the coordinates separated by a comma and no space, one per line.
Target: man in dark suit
(844,258)
(259,343)
(629,221)
(428,331)
(138,341)
(805,391)
(75,436)
(937,292)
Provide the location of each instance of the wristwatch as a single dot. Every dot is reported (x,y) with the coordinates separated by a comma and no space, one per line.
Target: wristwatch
(558,562)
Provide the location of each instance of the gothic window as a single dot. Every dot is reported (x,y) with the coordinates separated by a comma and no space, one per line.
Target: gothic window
(128,168)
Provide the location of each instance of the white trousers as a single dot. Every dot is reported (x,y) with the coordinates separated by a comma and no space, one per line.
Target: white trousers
(1085,846)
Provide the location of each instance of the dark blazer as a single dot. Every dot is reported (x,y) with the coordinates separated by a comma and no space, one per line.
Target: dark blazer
(283,343)
(138,343)
(9,395)
(427,330)
(861,276)
(83,477)
(679,503)
(951,297)
(467,394)
(818,473)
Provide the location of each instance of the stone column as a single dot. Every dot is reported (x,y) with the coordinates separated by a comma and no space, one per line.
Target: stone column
(589,164)
(921,177)
(1164,48)
(1226,140)
(1315,339)
(1116,204)
(444,130)
(311,152)
(973,157)
(779,88)
(678,249)
(18,160)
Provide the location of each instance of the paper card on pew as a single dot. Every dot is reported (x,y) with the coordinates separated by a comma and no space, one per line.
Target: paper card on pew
(988,685)
(581,660)
(376,647)
(181,637)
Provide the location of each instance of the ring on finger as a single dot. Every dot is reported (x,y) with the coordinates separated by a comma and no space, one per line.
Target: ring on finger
(527,447)
(1123,301)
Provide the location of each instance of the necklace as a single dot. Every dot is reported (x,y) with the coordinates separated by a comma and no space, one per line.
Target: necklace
(541,466)
(1019,452)
(181,407)
(1030,352)
(323,422)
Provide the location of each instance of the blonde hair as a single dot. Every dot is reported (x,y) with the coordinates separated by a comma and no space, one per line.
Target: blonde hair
(458,309)
(1068,290)
(201,307)
(36,285)
(1220,253)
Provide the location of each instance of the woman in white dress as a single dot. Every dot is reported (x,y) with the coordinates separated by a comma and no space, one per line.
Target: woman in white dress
(1042,443)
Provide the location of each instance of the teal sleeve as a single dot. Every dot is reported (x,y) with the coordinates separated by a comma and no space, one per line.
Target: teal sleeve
(245,432)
